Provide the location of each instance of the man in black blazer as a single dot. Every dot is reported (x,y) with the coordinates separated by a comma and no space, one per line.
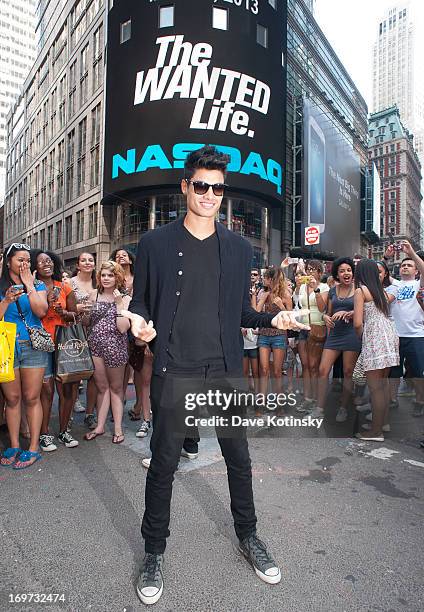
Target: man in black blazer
(192,279)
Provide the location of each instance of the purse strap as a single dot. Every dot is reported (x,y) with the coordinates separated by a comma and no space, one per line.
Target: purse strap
(309,306)
(21,314)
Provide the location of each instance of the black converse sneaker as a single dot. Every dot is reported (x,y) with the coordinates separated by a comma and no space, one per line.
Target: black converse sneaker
(46,443)
(256,553)
(66,439)
(150,582)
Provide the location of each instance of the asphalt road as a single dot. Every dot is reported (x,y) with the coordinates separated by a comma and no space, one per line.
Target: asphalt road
(343,518)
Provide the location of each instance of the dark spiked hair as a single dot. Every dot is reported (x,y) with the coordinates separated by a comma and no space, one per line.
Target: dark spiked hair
(209,158)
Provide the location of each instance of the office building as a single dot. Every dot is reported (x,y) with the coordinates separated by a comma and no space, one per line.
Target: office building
(391,148)
(17,54)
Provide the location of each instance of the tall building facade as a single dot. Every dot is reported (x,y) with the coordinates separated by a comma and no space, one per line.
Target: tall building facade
(397,74)
(391,148)
(17,54)
(54,153)
(54,158)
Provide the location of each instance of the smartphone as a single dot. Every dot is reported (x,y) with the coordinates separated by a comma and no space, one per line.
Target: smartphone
(317,175)
(17,288)
(293,260)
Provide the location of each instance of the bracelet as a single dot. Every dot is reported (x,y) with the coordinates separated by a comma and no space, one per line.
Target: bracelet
(30,291)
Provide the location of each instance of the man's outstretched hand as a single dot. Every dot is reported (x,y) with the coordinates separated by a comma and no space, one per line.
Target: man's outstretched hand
(287,319)
(139,328)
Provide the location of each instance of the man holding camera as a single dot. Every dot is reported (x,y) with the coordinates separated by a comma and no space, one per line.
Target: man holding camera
(409,319)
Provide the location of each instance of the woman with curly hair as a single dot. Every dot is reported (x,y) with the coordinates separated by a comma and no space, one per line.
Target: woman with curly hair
(126,260)
(107,339)
(275,297)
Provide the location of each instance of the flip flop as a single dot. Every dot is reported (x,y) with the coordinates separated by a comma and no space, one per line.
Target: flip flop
(134,416)
(91,435)
(118,438)
(10,456)
(26,457)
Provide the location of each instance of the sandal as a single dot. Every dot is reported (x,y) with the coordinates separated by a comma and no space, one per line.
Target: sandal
(10,456)
(91,435)
(118,438)
(134,416)
(26,459)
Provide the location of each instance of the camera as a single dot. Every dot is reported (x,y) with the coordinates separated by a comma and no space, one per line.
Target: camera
(397,246)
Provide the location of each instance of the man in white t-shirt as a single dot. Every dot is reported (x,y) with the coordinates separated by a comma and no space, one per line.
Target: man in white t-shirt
(409,320)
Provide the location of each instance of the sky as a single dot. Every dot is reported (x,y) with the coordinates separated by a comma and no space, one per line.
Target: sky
(352,27)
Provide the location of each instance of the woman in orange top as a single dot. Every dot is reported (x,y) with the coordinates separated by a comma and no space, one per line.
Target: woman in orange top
(62,311)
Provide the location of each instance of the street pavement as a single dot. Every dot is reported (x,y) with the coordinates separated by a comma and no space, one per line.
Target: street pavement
(343,518)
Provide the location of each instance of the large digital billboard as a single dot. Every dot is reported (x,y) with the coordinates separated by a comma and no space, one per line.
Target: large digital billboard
(332,183)
(192,72)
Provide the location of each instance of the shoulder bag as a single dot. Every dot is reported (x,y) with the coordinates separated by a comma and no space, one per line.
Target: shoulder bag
(40,339)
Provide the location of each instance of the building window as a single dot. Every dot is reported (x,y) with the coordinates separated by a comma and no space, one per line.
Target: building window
(92,220)
(50,238)
(166,16)
(262,35)
(59,235)
(220,18)
(80,226)
(68,230)
(125,31)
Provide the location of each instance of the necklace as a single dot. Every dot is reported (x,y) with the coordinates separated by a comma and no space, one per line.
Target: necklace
(346,296)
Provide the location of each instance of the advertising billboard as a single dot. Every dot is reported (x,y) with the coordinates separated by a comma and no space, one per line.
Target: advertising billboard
(332,183)
(187,73)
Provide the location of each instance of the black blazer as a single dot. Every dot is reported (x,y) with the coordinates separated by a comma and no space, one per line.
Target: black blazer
(157,287)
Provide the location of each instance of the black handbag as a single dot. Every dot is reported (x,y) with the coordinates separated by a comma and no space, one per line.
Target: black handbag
(40,338)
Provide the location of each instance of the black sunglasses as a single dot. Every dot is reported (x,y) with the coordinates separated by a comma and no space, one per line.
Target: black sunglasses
(200,187)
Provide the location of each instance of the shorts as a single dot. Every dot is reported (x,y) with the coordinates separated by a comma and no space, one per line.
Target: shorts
(49,371)
(411,350)
(303,335)
(251,353)
(27,357)
(273,342)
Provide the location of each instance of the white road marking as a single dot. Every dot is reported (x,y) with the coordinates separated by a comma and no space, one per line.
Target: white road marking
(382,453)
(412,462)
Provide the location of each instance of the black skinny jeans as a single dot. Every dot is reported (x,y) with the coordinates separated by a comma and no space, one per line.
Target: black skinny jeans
(169,431)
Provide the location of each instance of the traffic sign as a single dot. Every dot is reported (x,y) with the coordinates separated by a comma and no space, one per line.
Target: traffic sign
(311,235)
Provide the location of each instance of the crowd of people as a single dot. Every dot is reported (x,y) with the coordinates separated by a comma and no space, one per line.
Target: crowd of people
(360,319)
(363,324)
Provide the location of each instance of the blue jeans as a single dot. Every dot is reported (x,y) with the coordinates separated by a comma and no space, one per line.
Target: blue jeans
(27,357)
(273,342)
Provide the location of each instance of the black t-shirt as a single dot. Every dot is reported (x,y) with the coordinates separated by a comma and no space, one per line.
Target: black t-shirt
(195,337)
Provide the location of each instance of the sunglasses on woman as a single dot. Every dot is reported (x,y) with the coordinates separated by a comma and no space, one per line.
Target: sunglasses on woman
(18,246)
(200,187)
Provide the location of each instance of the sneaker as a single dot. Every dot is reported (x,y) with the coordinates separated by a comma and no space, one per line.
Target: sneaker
(185,453)
(405,390)
(254,550)
(305,407)
(369,437)
(91,421)
(341,415)
(66,439)
(363,407)
(46,443)
(361,400)
(317,413)
(143,429)
(79,407)
(150,582)
(418,410)
(385,428)
(146,462)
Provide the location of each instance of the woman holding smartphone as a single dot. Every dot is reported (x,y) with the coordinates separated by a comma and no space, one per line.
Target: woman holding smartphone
(23,298)
(62,311)
(83,282)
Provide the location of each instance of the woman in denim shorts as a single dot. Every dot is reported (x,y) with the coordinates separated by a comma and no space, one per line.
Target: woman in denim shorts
(17,285)
(275,297)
